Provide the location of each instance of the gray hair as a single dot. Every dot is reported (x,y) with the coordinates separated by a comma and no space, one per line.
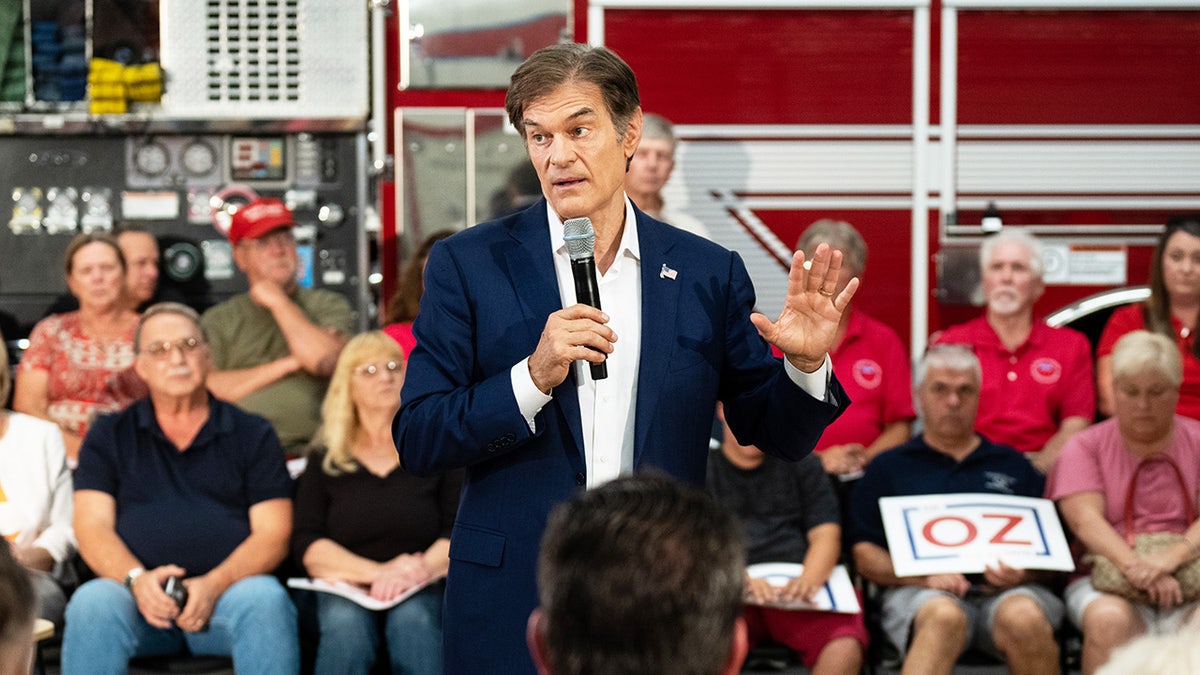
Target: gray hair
(659,128)
(1031,243)
(1144,352)
(176,308)
(840,235)
(951,356)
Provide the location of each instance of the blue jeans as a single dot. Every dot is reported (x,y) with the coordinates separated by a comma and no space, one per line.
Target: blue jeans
(350,634)
(254,621)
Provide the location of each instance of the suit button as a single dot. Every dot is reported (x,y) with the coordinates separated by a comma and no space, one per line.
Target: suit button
(580,479)
(491,447)
(509,438)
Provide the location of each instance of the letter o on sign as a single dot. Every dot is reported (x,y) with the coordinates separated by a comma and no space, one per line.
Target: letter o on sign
(969,535)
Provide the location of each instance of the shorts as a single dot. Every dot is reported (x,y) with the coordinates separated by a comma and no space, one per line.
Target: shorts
(805,632)
(1080,593)
(900,605)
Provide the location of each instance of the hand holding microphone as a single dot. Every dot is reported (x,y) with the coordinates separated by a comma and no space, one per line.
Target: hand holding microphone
(577,332)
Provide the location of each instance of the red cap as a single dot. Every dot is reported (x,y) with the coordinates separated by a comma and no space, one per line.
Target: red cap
(258,218)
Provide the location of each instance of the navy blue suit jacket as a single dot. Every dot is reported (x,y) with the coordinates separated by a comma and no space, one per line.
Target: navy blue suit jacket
(488,293)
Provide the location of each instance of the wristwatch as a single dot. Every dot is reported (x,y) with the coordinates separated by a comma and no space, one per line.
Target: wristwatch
(132,575)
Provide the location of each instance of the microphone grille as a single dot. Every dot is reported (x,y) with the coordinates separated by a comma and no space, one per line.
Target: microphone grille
(580,238)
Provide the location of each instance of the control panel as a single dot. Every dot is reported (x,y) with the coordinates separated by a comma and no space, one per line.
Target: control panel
(182,188)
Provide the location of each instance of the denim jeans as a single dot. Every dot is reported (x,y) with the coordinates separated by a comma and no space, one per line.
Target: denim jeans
(254,622)
(350,635)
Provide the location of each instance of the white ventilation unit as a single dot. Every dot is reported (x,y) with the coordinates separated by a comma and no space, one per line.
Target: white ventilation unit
(265,59)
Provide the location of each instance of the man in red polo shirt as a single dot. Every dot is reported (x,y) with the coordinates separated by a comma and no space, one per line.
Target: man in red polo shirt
(1038,387)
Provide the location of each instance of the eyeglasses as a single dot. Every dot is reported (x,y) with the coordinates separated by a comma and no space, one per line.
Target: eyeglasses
(372,369)
(161,350)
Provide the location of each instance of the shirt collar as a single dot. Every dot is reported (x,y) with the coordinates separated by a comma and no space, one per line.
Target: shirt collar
(219,420)
(629,236)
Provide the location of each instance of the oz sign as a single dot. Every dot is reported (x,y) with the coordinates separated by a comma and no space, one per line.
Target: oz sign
(933,534)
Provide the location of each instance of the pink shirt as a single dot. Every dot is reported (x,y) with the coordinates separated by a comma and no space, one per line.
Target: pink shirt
(1128,319)
(1027,392)
(872,366)
(1096,460)
(86,376)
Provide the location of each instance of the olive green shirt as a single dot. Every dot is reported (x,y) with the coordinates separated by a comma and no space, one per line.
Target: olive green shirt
(244,335)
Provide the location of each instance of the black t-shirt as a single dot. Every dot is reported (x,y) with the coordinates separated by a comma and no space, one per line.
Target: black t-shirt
(777,502)
(376,518)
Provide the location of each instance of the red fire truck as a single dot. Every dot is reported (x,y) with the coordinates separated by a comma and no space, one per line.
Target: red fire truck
(382,121)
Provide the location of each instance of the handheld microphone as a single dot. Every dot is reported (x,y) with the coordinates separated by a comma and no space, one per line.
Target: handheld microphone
(581,247)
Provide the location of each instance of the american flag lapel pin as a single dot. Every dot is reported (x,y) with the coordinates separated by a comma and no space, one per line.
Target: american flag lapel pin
(667,273)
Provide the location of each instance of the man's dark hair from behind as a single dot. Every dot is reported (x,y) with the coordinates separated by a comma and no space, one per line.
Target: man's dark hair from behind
(641,575)
(17,605)
(551,67)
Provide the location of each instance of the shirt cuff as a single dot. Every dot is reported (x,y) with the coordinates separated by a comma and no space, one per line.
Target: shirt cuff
(530,399)
(815,383)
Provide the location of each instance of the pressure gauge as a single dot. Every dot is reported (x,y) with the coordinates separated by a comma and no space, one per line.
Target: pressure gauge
(152,159)
(199,158)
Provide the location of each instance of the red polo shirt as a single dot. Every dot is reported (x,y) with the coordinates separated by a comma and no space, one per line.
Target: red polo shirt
(873,368)
(1027,392)
(1128,319)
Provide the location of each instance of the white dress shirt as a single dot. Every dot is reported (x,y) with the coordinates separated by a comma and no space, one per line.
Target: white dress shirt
(608,405)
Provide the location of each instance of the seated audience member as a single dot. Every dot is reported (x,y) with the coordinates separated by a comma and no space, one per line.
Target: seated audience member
(640,575)
(870,362)
(140,249)
(79,364)
(789,513)
(406,301)
(1037,380)
(35,500)
(17,604)
(1173,310)
(935,618)
(650,170)
(181,485)
(361,518)
(1175,653)
(274,346)
(1144,438)
(521,189)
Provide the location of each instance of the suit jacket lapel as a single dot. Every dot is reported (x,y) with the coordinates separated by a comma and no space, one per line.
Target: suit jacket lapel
(660,300)
(531,268)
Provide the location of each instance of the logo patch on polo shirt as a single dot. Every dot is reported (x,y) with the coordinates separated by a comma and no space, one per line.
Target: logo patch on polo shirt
(867,373)
(1001,483)
(1046,370)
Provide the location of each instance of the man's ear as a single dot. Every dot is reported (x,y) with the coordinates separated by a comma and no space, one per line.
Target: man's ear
(239,256)
(738,648)
(535,637)
(633,136)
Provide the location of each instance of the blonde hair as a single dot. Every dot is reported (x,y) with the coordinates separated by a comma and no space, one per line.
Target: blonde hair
(1173,654)
(340,422)
(1144,352)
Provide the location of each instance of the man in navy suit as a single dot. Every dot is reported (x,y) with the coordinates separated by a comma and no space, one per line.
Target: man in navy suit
(499,381)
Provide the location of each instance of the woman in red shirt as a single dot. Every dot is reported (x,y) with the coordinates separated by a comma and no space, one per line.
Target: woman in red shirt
(1173,310)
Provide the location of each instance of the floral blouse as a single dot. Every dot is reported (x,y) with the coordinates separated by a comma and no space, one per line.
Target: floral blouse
(88,376)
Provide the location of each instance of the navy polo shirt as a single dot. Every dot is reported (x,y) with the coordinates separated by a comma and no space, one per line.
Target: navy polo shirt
(914,468)
(188,508)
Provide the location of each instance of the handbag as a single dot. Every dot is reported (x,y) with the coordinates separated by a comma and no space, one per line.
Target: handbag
(1108,578)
